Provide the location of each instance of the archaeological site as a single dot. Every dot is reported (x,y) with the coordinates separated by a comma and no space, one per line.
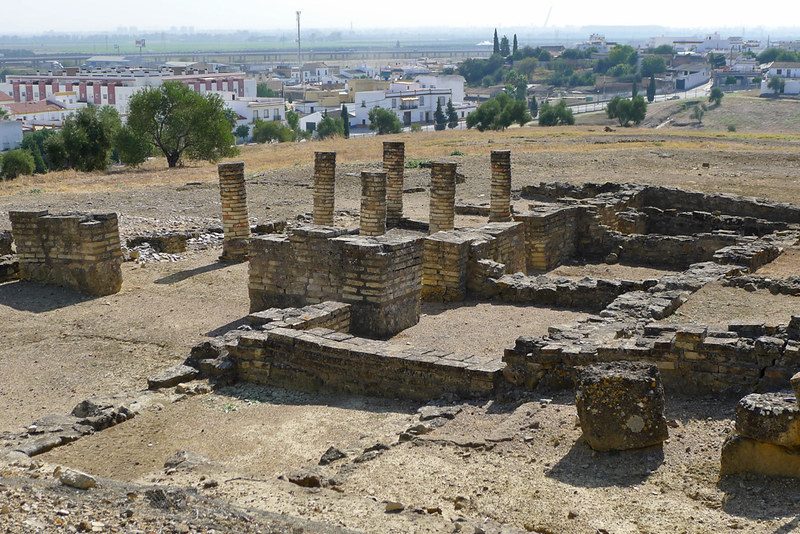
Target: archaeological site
(405,346)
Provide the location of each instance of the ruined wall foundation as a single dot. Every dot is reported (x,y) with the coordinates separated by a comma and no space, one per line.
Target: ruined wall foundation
(74,250)
(235,222)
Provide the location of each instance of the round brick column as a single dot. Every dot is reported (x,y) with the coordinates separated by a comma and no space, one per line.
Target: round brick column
(394,159)
(235,223)
(373,203)
(443,196)
(324,180)
(500,204)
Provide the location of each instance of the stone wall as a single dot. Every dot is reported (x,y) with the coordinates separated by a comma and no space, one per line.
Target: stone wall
(459,262)
(6,240)
(322,359)
(394,166)
(74,250)
(324,182)
(551,235)
(380,277)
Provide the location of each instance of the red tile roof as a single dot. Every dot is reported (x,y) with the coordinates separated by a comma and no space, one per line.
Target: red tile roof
(21,108)
(5,97)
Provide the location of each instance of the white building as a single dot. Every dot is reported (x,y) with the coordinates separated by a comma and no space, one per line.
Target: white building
(685,77)
(454,82)
(789,71)
(114,87)
(251,109)
(10,135)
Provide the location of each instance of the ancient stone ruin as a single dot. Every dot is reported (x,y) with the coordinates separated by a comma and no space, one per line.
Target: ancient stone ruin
(74,250)
(621,405)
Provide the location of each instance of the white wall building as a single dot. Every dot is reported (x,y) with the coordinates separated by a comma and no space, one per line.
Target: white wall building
(265,109)
(454,82)
(789,71)
(10,135)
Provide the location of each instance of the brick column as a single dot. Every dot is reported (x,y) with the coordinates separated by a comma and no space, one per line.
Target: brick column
(235,223)
(394,155)
(443,196)
(500,205)
(373,203)
(324,178)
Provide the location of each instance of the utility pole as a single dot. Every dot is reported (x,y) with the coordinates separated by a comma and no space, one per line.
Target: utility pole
(299,61)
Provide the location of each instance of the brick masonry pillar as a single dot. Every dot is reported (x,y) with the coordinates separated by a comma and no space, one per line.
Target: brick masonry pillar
(235,223)
(373,203)
(394,155)
(324,180)
(443,196)
(500,205)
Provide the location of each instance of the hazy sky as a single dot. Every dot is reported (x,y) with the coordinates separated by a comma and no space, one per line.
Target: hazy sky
(96,15)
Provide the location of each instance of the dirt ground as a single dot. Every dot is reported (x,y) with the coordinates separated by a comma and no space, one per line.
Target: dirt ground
(517,461)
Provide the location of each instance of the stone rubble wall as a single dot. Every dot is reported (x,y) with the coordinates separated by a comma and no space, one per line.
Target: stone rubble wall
(6,240)
(73,250)
(322,359)
(380,277)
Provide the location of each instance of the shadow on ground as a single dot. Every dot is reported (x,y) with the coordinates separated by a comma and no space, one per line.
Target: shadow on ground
(39,298)
(183,275)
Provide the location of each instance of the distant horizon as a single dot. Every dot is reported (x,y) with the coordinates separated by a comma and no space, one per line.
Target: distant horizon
(204,16)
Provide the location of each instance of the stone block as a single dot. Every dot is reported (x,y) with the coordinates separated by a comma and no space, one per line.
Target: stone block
(771,418)
(172,377)
(745,455)
(621,405)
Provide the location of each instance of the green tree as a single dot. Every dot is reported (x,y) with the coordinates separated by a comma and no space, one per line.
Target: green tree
(717,61)
(556,115)
(346,121)
(698,112)
(526,66)
(452,116)
(515,46)
(263,91)
(505,49)
(330,127)
(267,131)
(293,119)
(132,149)
(3,113)
(651,88)
(17,162)
(622,55)
(181,123)
(498,113)
(533,106)
(242,131)
(663,50)
(34,143)
(627,111)
(716,96)
(85,141)
(496,44)
(384,121)
(439,118)
(653,65)
(777,84)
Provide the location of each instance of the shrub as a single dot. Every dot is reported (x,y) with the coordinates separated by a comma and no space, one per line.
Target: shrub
(16,162)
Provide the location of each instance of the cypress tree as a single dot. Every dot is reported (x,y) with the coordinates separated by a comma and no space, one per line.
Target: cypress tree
(346,120)
(651,88)
(516,46)
(496,49)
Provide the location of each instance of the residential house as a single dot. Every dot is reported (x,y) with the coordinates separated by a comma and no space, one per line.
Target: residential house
(789,71)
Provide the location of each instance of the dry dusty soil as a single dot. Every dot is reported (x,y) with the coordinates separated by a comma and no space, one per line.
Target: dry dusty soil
(512,464)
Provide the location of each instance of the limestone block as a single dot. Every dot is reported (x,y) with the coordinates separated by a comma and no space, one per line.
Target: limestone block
(745,455)
(621,405)
(77,479)
(172,377)
(770,418)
